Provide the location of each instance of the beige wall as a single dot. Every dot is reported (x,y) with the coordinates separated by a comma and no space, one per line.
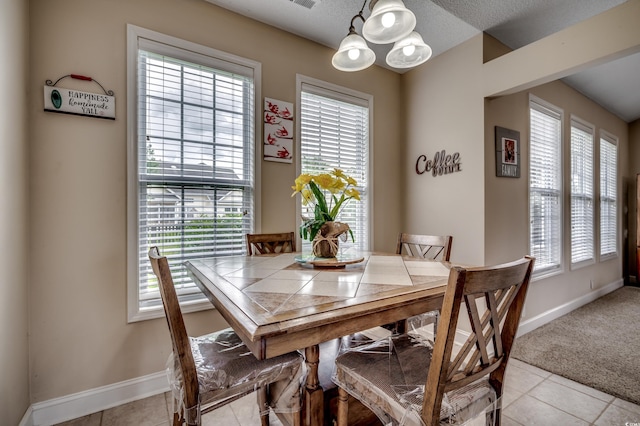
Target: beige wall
(14,213)
(507,234)
(444,111)
(80,338)
(632,197)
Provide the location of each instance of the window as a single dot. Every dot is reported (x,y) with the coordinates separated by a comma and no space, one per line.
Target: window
(191,161)
(334,133)
(582,206)
(608,195)
(545,186)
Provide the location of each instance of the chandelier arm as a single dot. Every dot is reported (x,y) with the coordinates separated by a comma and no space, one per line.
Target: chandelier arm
(352,28)
(362,8)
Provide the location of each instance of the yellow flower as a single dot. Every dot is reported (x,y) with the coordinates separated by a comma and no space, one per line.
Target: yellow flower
(324,181)
(352,192)
(339,173)
(301,181)
(307,196)
(351,181)
(336,186)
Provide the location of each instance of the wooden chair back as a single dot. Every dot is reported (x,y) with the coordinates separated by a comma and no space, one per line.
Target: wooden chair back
(271,243)
(179,338)
(502,289)
(425,246)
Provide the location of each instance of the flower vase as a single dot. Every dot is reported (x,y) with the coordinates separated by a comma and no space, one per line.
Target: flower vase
(326,242)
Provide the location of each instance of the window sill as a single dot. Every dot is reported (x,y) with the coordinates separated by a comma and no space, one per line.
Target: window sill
(158,311)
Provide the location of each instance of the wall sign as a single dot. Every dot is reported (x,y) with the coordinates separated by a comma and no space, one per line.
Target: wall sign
(507,152)
(76,102)
(442,164)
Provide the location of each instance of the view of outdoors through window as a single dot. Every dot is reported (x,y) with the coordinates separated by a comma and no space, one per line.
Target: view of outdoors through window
(195,165)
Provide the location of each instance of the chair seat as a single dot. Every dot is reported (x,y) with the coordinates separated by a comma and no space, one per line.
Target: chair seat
(388,376)
(227,370)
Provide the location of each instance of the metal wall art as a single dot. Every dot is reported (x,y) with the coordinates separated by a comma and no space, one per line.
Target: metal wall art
(442,164)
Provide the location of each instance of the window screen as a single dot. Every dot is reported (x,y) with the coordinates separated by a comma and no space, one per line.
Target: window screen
(545,187)
(335,134)
(608,195)
(194,169)
(582,183)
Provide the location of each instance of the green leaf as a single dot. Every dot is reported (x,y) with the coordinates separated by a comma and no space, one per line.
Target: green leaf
(336,209)
(310,228)
(315,229)
(322,203)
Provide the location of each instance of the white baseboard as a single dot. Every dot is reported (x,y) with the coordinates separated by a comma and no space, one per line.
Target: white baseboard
(557,312)
(27,419)
(80,404)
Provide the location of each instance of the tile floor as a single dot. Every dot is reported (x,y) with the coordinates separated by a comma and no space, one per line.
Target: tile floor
(532,397)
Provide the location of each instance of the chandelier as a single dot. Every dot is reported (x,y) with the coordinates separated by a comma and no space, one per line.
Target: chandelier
(390,22)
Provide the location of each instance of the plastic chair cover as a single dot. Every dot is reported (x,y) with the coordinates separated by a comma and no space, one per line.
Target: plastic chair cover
(424,325)
(388,376)
(226,369)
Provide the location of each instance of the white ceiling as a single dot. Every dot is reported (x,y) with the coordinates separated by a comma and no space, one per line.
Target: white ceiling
(444,24)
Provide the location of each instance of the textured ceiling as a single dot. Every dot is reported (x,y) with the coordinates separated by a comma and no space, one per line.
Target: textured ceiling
(444,24)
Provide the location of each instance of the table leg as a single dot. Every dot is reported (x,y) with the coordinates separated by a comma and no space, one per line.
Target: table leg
(313,395)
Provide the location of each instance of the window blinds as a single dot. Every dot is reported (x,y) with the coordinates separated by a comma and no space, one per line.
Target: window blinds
(335,134)
(545,187)
(582,208)
(608,196)
(195,161)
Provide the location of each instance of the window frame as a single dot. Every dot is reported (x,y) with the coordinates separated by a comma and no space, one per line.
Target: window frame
(586,127)
(340,93)
(190,52)
(545,107)
(607,137)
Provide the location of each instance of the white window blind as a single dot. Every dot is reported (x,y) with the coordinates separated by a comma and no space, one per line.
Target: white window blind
(335,134)
(582,205)
(545,186)
(194,169)
(608,195)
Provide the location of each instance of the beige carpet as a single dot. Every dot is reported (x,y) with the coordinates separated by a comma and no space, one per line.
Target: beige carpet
(597,345)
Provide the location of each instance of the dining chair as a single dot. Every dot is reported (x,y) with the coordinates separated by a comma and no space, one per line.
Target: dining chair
(425,246)
(434,247)
(405,378)
(210,371)
(271,243)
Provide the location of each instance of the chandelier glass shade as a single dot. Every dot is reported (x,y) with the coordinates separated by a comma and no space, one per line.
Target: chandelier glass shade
(390,21)
(409,52)
(353,54)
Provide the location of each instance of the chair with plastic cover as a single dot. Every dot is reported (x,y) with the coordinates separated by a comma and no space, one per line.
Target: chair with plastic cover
(425,246)
(271,243)
(407,379)
(433,247)
(210,371)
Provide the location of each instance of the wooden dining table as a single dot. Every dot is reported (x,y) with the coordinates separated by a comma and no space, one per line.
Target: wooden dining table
(287,302)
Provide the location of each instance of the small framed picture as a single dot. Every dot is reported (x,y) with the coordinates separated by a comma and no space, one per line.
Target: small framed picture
(507,152)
